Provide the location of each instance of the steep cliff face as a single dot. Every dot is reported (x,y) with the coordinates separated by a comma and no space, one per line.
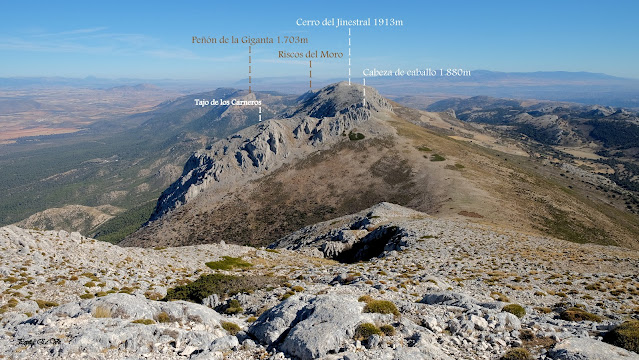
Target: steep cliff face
(320,119)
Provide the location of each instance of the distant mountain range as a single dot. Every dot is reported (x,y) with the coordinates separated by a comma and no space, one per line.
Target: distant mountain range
(580,87)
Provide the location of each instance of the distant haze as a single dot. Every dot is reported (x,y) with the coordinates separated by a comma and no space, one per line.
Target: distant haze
(580,87)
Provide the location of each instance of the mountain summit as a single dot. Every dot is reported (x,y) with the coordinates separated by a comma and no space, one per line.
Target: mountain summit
(319,119)
(345,148)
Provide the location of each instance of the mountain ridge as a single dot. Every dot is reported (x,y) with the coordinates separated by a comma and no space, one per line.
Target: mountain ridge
(268,145)
(430,162)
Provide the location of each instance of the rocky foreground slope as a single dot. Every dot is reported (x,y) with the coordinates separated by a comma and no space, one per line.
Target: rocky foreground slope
(385,283)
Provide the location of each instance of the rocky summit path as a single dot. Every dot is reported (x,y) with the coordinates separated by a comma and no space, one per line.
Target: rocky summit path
(385,283)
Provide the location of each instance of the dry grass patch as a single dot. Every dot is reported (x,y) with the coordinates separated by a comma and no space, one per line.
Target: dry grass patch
(102,312)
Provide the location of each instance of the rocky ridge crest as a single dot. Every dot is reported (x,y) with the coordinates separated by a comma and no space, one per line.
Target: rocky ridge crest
(321,118)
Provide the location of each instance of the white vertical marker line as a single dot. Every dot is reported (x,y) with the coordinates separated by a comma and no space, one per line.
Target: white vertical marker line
(349,56)
(364,92)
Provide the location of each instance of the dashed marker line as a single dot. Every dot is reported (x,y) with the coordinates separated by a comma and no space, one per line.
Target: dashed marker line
(349,56)
(364,92)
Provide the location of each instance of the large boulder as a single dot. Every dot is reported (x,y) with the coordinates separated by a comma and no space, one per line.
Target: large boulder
(308,327)
(589,349)
(274,323)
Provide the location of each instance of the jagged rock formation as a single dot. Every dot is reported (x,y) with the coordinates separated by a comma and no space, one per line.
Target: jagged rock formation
(352,238)
(317,122)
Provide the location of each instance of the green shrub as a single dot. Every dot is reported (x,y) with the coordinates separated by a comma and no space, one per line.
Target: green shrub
(90,284)
(355,136)
(287,295)
(526,334)
(388,330)
(499,296)
(251,319)
(578,314)
(90,276)
(437,157)
(625,336)
(220,284)
(233,307)
(365,298)
(163,317)
(381,307)
(515,309)
(231,328)
(297,288)
(87,296)
(516,354)
(152,295)
(143,321)
(365,330)
(228,263)
(43,304)
(127,290)
(424,148)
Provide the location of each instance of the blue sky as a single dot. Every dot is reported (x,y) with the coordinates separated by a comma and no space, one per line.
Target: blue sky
(152,40)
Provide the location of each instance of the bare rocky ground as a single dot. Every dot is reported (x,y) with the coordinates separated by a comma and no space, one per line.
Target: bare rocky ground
(452,284)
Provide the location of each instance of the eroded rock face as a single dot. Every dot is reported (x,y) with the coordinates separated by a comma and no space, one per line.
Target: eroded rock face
(320,120)
(358,237)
